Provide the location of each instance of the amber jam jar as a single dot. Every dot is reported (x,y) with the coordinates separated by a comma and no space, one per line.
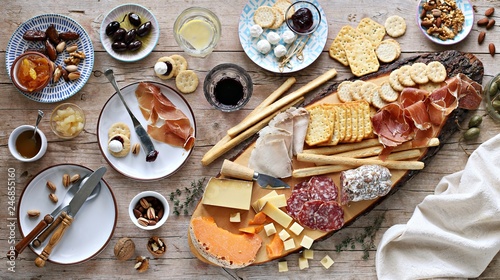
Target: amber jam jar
(31,72)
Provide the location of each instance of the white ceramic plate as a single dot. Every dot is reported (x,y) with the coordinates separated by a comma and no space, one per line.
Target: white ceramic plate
(62,90)
(148,42)
(269,61)
(468,12)
(169,159)
(92,226)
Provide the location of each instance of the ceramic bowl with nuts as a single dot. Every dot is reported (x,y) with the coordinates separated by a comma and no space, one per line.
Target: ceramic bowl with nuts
(445,22)
(149,210)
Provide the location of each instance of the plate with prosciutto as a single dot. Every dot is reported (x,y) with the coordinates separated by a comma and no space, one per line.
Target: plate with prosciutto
(166,116)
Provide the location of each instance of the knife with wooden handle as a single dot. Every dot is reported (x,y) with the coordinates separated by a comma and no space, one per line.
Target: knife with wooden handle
(232,169)
(43,236)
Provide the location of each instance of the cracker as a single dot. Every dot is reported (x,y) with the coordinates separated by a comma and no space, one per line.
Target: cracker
(362,58)
(320,128)
(372,30)
(396,43)
(126,146)
(335,121)
(337,51)
(404,76)
(167,60)
(279,17)
(418,73)
(377,101)
(343,91)
(348,123)
(354,121)
(119,128)
(186,81)
(394,80)
(180,63)
(436,72)
(341,116)
(349,34)
(367,91)
(367,122)
(361,120)
(387,93)
(387,51)
(395,26)
(355,90)
(430,86)
(283,5)
(264,16)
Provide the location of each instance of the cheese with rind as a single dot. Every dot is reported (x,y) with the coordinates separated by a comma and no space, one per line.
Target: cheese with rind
(229,193)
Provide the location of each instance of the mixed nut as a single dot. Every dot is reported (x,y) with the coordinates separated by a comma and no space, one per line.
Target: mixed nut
(489,23)
(156,246)
(123,39)
(442,18)
(148,211)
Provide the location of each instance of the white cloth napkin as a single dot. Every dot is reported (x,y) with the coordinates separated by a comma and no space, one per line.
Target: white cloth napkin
(453,233)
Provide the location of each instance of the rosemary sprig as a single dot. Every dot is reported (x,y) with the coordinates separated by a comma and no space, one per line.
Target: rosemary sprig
(366,238)
(191,195)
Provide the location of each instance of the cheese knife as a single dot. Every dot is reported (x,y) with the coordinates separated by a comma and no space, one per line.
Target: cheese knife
(232,169)
(74,205)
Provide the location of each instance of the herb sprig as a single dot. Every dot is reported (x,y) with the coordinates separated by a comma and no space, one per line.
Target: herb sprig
(366,238)
(191,195)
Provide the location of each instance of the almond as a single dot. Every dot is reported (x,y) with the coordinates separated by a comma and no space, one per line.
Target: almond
(491,48)
(489,12)
(438,22)
(483,22)
(490,24)
(480,38)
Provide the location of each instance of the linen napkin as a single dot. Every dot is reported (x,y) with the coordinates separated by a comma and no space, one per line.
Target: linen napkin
(453,233)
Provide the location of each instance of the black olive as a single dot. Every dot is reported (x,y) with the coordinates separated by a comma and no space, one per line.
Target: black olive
(130,36)
(135,45)
(144,29)
(112,27)
(119,34)
(134,19)
(119,46)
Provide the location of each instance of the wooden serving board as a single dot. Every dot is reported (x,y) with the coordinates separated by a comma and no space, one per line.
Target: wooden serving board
(455,62)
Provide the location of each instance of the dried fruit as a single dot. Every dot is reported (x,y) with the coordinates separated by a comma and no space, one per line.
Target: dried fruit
(491,48)
(480,38)
(489,12)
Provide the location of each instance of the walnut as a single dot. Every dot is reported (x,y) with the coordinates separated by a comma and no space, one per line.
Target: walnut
(124,249)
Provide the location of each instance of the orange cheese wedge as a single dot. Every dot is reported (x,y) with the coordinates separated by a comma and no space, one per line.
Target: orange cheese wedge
(275,248)
(222,247)
(258,219)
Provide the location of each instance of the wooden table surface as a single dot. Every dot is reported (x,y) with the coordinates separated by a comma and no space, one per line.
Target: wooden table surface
(178,262)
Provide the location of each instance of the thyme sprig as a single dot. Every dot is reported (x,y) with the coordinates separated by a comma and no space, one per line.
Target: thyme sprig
(366,238)
(191,195)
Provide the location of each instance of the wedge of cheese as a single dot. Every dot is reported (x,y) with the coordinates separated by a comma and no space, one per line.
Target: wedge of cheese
(221,247)
(229,193)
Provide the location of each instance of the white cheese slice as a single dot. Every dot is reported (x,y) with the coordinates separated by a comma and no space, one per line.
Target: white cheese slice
(228,193)
(306,242)
(327,262)
(289,244)
(282,266)
(308,254)
(235,217)
(303,263)
(278,201)
(284,235)
(270,229)
(255,204)
(296,228)
(277,215)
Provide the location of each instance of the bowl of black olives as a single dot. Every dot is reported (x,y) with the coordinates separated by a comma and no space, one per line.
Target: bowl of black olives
(129,32)
(492,97)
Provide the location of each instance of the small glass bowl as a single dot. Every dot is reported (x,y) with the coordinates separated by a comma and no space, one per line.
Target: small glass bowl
(316,17)
(73,115)
(491,93)
(227,71)
(203,22)
(17,63)
(158,196)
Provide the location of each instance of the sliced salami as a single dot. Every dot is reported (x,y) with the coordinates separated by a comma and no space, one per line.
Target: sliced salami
(306,216)
(296,200)
(322,188)
(303,184)
(329,216)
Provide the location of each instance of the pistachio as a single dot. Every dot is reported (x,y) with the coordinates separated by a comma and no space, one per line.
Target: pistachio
(66,180)
(74,76)
(53,197)
(51,186)
(60,47)
(136,148)
(57,74)
(141,264)
(33,213)
(72,68)
(71,48)
(74,178)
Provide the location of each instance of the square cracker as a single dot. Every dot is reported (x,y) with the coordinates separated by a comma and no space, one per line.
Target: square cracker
(341,117)
(367,122)
(361,120)
(362,58)
(335,121)
(353,106)
(372,30)
(337,52)
(320,127)
(348,123)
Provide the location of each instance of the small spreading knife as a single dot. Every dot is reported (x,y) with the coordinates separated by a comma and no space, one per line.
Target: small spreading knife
(74,205)
(232,169)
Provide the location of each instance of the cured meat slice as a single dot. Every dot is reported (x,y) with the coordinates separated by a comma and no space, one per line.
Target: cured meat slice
(322,188)
(271,159)
(296,200)
(411,95)
(418,113)
(306,216)
(391,126)
(329,216)
(469,96)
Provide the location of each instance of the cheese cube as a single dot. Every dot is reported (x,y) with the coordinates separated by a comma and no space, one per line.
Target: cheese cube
(296,228)
(303,263)
(235,217)
(270,229)
(278,201)
(306,242)
(277,215)
(289,244)
(308,254)
(255,204)
(284,234)
(282,266)
(327,261)
(228,193)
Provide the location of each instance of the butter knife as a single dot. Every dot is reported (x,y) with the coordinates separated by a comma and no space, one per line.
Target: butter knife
(147,144)
(232,169)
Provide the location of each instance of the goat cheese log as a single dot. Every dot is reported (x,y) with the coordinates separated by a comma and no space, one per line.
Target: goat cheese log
(364,183)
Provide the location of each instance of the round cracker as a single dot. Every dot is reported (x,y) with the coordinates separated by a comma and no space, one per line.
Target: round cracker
(180,63)
(387,93)
(404,76)
(283,5)
(436,72)
(395,26)
(430,86)
(377,101)
(126,146)
(167,60)
(394,81)
(343,91)
(279,18)
(186,81)
(264,16)
(355,89)
(119,128)
(418,73)
(387,51)
(367,91)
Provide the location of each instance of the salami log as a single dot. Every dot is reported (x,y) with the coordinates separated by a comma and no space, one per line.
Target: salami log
(365,182)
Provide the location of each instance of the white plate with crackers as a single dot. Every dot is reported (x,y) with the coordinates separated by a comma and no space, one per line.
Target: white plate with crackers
(269,61)
(170,158)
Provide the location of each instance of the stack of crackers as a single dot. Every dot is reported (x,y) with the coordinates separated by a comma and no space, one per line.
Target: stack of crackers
(362,47)
(272,17)
(330,124)
(186,80)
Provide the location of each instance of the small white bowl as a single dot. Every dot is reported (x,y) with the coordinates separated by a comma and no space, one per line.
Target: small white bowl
(135,200)
(12,143)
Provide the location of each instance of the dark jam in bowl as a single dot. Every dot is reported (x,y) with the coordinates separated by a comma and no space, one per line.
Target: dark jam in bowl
(228,91)
(302,20)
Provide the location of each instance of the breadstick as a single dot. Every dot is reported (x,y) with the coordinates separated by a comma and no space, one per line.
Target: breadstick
(281,102)
(391,164)
(219,150)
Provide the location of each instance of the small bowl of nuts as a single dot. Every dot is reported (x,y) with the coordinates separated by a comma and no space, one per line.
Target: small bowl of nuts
(445,22)
(149,210)
(67,120)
